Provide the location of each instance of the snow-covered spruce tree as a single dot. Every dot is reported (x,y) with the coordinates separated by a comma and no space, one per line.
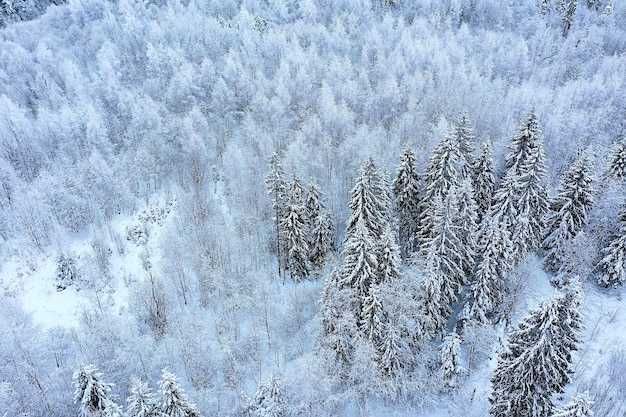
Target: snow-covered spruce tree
(494,254)
(268,400)
(613,264)
(372,317)
(92,394)
(278,191)
(389,260)
(313,202)
(322,240)
(536,362)
(444,259)
(67,273)
(175,401)
(484,181)
(571,319)
(617,169)
(369,202)
(465,137)
(406,190)
(522,200)
(467,223)
(523,144)
(567,8)
(321,237)
(568,211)
(295,232)
(360,263)
(440,176)
(337,317)
(141,401)
(532,204)
(580,406)
(393,351)
(450,356)
(447,249)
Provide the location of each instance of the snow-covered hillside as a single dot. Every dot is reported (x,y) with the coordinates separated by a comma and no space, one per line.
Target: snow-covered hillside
(157,219)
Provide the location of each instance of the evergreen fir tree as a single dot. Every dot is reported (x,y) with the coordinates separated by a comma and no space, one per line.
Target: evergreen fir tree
(393,351)
(445,251)
(613,264)
(369,202)
(322,240)
(92,394)
(441,175)
(484,181)
(465,137)
(618,161)
(494,253)
(67,273)
(175,403)
(321,230)
(360,266)
(313,203)
(580,406)
(445,258)
(571,319)
(450,356)
(568,211)
(467,224)
(141,402)
(568,15)
(406,189)
(532,203)
(268,400)
(372,317)
(536,362)
(523,144)
(278,191)
(522,200)
(337,318)
(389,260)
(295,232)
(434,304)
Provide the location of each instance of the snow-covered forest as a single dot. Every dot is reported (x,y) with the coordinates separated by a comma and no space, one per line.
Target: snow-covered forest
(312,208)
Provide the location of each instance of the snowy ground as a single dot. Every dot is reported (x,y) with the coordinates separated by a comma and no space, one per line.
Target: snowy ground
(31,280)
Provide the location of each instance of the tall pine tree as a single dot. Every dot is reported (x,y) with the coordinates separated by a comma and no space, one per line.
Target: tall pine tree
(268,400)
(613,264)
(484,181)
(322,240)
(321,236)
(360,265)
(278,191)
(337,316)
(465,137)
(522,200)
(441,175)
(618,161)
(467,222)
(369,202)
(389,260)
(537,361)
(450,356)
(295,232)
(141,401)
(92,394)
(175,401)
(406,190)
(495,261)
(568,211)
(445,257)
